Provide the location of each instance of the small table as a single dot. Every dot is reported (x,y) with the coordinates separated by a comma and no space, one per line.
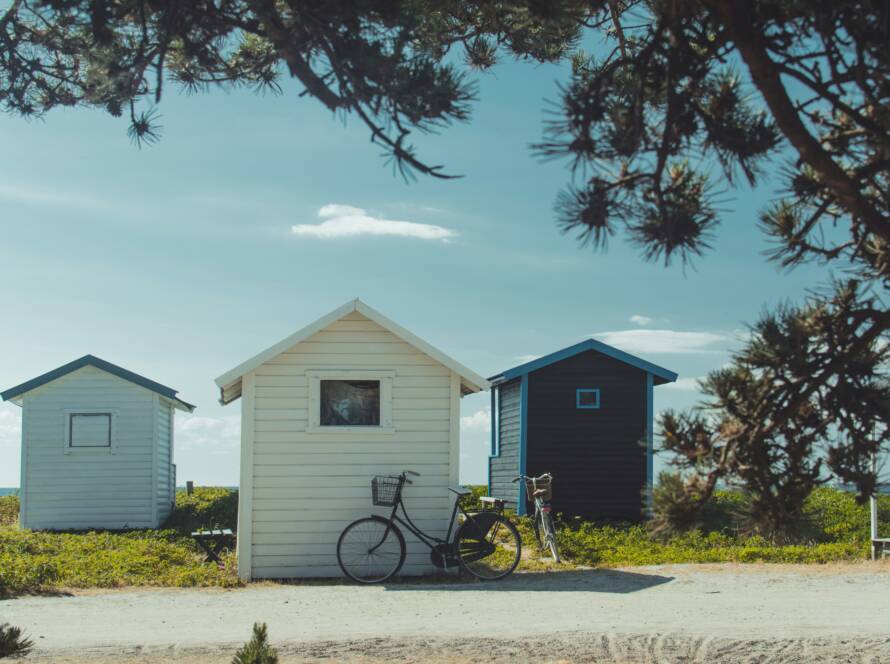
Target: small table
(213,542)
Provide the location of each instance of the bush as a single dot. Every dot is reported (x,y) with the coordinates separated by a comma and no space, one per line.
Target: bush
(257,650)
(12,642)
(472,503)
(9,510)
(38,561)
(610,546)
(834,528)
(207,507)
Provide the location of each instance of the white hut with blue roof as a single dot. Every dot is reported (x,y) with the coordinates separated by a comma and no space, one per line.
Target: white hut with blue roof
(97,448)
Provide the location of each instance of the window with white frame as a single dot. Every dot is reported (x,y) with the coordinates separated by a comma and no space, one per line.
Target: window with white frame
(89,430)
(356,400)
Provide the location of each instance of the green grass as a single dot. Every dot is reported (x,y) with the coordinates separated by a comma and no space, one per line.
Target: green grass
(43,561)
(835,528)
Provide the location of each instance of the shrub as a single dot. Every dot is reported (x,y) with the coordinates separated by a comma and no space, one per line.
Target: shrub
(12,642)
(207,507)
(257,650)
(472,503)
(36,561)
(9,510)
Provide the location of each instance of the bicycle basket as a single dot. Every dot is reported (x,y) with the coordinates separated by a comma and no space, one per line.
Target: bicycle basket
(531,485)
(385,490)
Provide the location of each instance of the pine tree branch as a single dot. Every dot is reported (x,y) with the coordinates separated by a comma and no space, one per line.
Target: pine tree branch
(275,31)
(765,75)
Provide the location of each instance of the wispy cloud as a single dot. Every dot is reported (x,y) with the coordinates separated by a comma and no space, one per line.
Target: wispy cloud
(668,341)
(210,433)
(684,384)
(51,197)
(522,359)
(478,422)
(341,221)
(642,321)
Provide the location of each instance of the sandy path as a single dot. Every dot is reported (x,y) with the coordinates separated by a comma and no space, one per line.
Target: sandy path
(676,613)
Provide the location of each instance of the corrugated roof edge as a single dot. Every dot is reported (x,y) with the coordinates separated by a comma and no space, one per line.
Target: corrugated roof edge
(665,375)
(99,363)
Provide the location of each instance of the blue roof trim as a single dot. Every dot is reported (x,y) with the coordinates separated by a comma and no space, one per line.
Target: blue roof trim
(92,360)
(660,374)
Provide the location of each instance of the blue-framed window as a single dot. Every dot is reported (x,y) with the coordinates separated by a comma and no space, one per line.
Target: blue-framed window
(587,398)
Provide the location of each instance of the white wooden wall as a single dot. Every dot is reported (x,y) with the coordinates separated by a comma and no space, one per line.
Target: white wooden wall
(306,487)
(89,488)
(164,472)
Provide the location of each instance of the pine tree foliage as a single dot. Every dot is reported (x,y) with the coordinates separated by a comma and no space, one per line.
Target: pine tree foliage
(677,102)
(13,643)
(257,650)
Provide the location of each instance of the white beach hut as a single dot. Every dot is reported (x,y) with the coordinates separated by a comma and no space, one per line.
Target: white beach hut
(348,397)
(97,448)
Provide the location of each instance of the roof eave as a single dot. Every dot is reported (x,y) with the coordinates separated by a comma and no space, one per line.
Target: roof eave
(660,374)
(469,378)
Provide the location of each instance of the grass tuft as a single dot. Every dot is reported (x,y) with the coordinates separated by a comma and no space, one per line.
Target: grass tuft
(257,650)
(13,643)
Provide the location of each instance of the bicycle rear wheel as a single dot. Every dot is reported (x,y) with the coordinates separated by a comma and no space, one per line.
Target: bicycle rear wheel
(371,550)
(488,546)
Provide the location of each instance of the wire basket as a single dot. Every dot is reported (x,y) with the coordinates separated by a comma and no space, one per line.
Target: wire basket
(539,484)
(385,490)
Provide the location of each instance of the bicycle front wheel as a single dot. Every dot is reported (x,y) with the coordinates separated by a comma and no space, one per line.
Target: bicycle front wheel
(371,550)
(488,546)
(550,530)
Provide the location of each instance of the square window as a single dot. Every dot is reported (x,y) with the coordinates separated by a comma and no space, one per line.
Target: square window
(349,403)
(587,398)
(89,430)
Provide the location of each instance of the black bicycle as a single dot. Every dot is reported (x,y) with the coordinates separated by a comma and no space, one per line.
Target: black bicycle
(540,491)
(372,549)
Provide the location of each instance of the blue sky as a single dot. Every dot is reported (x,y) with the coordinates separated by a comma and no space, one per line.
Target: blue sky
(181,260)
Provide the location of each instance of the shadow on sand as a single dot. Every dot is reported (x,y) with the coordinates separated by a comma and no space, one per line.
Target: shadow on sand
(593,580)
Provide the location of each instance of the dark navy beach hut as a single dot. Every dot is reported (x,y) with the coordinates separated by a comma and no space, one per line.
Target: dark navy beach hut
(585,415)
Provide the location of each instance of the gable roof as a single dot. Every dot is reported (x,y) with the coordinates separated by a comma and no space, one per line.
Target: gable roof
(15,393)
(230,382)
(660,374)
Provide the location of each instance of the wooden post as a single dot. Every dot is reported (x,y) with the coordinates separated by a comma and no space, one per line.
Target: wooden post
(189,487)
(873,504)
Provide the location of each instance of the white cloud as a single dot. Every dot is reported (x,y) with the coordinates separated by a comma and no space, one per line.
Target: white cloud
(479,422)
(10,427)
(642,321)
(346,221)
(522,359)
(684,384)
(668,341)
(211,433)
(52,197)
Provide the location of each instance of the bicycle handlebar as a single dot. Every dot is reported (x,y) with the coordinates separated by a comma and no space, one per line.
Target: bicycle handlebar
(405,474)
(545,476)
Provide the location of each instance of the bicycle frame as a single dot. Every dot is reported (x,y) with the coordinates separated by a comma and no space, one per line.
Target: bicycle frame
(431,541)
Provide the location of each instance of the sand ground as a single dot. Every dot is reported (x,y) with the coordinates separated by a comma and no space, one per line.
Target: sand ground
(684,613)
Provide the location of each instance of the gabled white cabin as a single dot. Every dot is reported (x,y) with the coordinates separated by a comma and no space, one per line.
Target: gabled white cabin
(348,397)
(97,448)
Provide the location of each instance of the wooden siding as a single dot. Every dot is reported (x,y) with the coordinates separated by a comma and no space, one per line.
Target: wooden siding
(307,486)
(597,456)
(164,488)
(88,488)
(505,466)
